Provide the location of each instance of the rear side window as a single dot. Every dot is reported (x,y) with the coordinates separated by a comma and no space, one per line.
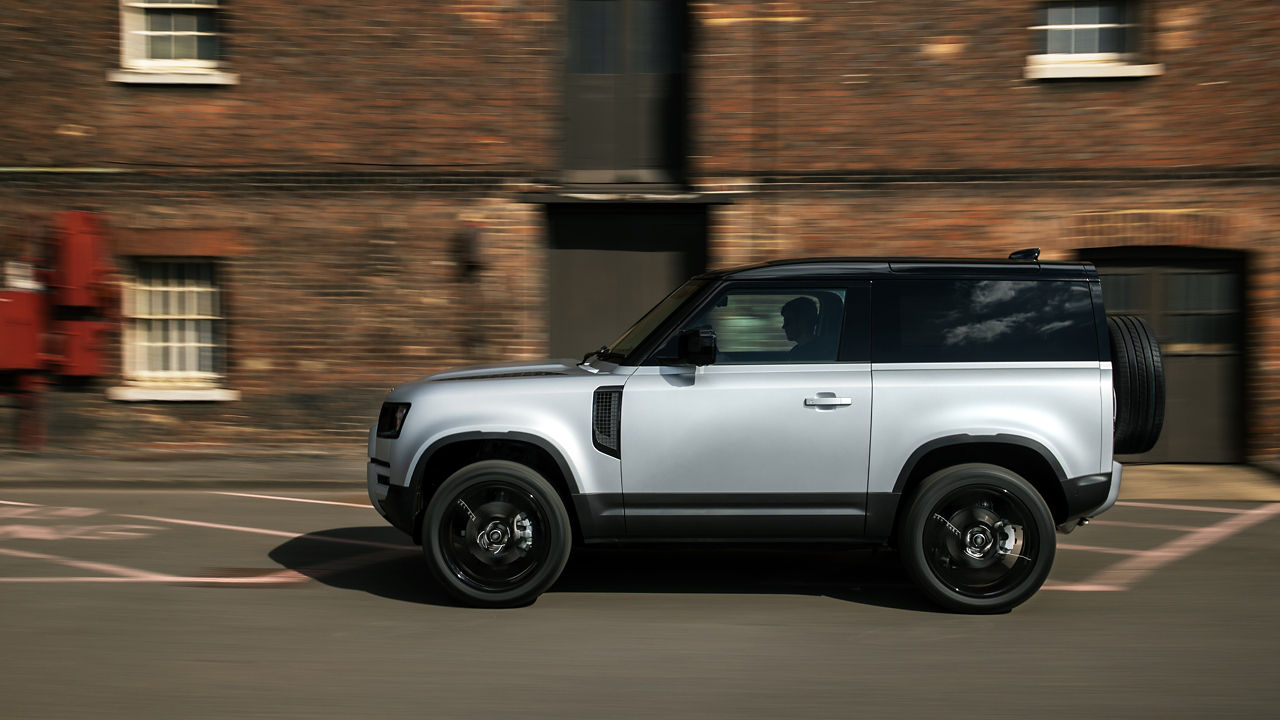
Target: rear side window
(982,321)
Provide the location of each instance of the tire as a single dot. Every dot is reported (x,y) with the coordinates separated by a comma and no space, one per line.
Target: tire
(977,538)
(1137,374)
(496,534)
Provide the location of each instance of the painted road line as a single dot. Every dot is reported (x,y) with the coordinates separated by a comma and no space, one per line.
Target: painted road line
(1127,572)
(273,533)
(10,502)
(1100,549)
(1140,525)
(1171,506)
(364,506)
(117,570)
(128,575)
(1079,587)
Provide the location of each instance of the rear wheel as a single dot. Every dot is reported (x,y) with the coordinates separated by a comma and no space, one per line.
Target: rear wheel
(496,534)
(977,538)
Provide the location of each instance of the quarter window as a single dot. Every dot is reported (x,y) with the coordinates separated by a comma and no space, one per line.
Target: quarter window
(982,321)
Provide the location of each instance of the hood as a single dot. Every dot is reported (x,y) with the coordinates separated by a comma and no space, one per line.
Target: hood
(544,368)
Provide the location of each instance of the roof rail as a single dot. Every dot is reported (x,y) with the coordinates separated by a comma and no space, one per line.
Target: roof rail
(1030,254)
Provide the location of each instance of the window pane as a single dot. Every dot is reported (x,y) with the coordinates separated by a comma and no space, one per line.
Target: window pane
(1112,40)
(160,47)
(1086,13)
(1059,41)
(656,36)
(1060,14)
(1086,41)
(184,22)
(207,47)
(1217,330)
(1202,291)
(184,47)
(594,46)
(1120,293)
(775,326)
(205,21)
(1111,13)
(159,20)
(983,321)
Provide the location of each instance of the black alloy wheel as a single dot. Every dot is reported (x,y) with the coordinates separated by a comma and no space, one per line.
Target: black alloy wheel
(496,534)
(978,538)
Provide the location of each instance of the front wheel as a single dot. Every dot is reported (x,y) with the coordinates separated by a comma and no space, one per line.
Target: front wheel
(977,538)
(496,534)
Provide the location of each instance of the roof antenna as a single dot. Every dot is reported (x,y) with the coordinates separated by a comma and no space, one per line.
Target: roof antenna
(1032,254)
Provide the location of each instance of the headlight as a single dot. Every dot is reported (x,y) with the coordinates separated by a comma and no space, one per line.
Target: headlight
(391,419)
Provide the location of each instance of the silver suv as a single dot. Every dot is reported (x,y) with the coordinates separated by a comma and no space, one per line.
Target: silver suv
(959,411)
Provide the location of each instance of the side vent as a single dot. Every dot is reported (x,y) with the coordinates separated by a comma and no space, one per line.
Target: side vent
(606,420)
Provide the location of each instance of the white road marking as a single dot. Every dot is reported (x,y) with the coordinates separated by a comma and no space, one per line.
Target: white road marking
(1100,549)
(120,574)
(10,502)
(1127,572)
(1142,525)
(364,506)
(117,570)
(1171,506)
(273,533)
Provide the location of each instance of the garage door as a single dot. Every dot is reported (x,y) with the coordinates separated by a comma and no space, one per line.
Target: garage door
(1193,302)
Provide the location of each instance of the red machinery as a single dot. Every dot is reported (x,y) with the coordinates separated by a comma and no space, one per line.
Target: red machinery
(56,306)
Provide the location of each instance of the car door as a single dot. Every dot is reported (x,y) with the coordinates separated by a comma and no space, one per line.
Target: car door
(769,441)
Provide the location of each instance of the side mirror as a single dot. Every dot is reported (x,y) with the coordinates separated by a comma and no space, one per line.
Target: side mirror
(698,346)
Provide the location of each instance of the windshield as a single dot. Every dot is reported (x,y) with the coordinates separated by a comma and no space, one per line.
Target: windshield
(631,339)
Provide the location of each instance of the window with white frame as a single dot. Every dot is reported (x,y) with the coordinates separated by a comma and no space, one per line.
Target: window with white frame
(1088,38)
(171,41)
(174,332)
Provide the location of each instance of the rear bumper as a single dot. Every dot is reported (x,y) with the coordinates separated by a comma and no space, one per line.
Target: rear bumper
(1090,495)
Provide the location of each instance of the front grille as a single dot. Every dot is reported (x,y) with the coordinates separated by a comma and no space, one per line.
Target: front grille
(606,420)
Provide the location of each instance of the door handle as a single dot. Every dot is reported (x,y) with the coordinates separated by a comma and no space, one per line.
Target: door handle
(827,401)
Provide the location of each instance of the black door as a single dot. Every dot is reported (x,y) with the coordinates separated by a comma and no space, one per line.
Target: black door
(1193,302)
(610,263)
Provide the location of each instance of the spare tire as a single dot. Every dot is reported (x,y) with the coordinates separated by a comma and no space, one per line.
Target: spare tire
(1137,374)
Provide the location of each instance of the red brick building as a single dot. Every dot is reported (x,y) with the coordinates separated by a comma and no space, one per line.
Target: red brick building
(307,203)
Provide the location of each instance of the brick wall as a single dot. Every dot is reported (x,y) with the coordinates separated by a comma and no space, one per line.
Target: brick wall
(326,83)
(790,87)
(360,137)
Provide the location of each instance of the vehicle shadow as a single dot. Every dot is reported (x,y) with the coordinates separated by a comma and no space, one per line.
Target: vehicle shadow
(382,561)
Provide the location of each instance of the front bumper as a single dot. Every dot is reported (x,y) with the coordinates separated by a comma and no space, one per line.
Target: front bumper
(399,505)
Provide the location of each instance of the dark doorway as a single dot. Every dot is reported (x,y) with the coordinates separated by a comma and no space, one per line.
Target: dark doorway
(1194,300)
(610,263)
(625,112)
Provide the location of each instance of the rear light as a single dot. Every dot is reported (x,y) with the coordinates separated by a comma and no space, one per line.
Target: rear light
(391,419)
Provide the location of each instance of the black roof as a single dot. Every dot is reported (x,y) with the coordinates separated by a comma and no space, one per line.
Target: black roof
(901,266)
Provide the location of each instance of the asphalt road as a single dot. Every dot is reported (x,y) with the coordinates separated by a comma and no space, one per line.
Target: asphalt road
(245,604)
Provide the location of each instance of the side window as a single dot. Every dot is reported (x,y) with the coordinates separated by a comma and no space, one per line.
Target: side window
(774,325)
(982,321)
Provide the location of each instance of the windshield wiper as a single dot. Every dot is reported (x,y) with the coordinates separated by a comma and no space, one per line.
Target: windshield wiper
(604,353)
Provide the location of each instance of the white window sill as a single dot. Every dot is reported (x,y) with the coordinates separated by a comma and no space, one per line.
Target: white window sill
(1054,71)
(173,77)
(134,393)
